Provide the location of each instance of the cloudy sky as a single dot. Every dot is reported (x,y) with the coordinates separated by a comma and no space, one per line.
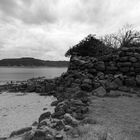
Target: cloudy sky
(45,29)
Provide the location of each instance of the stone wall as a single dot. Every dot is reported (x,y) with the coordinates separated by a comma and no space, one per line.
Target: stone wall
(126,62)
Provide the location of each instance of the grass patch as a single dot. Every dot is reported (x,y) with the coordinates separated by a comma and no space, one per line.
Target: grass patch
(88,132)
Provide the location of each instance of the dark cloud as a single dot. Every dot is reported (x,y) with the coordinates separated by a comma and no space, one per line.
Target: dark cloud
(8,7)
(28,11)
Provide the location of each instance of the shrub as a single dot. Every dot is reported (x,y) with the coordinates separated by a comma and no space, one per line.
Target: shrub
(89,46)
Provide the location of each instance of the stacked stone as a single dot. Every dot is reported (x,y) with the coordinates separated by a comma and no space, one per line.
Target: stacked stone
(130,58)
(126,61)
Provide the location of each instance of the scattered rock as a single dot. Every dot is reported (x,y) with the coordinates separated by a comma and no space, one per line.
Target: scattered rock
(101,75)
(133,59)
(130,81)
(100,66)
(87,81)
(59,137)
(44,116)
(28,136)
(124,88)
(89,121)
(100,92)
(69,120)
(39,135)
(21,131)
(111,85)
(118,81)
(68,128)
(55,103)
(114,93)
(58,114)
(86,87)
(3,138)
(35,123)
(44,109)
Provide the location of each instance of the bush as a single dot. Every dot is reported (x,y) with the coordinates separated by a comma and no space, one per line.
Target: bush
(89,46)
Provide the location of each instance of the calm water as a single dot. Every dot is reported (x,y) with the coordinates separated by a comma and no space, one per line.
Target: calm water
(20,74)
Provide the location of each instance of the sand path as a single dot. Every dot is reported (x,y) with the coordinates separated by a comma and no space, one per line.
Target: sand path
(18,110)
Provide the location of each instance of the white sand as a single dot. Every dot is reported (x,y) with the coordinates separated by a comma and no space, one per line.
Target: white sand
(18,111)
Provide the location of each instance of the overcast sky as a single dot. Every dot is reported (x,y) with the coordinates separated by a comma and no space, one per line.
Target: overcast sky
(45,29)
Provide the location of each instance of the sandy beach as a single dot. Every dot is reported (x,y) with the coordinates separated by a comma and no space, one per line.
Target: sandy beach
(18,110)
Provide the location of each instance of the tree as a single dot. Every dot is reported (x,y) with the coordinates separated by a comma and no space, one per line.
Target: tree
(110,41)
(125,37)
(128,37)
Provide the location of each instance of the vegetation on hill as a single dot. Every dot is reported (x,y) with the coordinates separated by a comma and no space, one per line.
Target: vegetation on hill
(32,62)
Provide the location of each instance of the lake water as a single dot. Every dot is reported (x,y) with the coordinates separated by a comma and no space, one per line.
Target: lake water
(20,73)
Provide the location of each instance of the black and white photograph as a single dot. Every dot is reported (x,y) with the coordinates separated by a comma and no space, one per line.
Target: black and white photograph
(69,70)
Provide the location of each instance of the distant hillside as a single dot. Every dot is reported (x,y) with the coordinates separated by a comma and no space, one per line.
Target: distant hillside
(32,62)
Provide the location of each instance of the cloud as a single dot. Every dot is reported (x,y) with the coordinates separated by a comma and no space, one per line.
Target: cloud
(8,6)
(47,28)
(29,11)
